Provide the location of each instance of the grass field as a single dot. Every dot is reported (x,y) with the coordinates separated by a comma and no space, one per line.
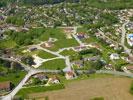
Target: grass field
(61,42)
(53,64)
(41,53)
(68,52)
(110,88)
(7,44)
(25,91)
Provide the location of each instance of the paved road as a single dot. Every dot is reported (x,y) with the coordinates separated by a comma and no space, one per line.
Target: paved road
(115,73)
(123,39)
(78,40)
(68,64)
(123,33)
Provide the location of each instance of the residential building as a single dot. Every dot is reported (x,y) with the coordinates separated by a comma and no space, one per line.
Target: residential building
(5,86)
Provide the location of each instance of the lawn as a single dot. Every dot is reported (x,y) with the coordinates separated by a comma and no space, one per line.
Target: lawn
(68,52)
(54,64)
(41,54)
(15,78)
(53,33)
(82,30)
(26,91)
(45,55)
(61,42)
(7,43)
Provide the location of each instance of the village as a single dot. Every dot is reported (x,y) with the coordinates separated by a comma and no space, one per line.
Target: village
(40,49)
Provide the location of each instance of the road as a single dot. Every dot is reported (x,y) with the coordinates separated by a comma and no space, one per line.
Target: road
(115,73)
(128,51)
(78,40)
(123,33)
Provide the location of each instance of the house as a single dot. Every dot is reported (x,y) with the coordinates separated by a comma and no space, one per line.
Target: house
(69,31)
(78,63)
(112,45)
(130,39)
(130,59)
(48,44)
(81,35)
(13,28)
(98,35)
(129,67)
(114,56)
(32,49)
(109,67)
(6,86)
(70,75)
(79,48)
(1,17)
(41,77)
(94,58)
(53,80)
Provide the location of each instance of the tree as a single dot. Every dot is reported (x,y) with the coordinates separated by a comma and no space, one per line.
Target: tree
(28,60)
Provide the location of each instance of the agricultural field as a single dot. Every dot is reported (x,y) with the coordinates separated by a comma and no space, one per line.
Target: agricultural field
(91,88)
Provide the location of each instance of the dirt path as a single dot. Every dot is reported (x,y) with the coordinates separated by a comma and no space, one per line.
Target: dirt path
(112,88)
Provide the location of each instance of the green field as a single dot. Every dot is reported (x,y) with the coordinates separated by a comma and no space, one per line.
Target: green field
(68,52)
(25,91)
(7,43)
(110,4)
(53,64)
(61,42)
(41,53)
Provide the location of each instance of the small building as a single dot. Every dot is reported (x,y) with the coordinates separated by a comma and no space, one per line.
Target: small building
(109,67)
(94,58)
(41,77)
(70,75)
(81,35)
(32,49)
(78,63)
(130,59)
(79,48)
(114,56)
(129,67)
(130,39)
(1,17)
(5,86)
(48,44)
(53,80)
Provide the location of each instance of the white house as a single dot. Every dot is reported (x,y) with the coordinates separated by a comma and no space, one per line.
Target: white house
(114,56)
(130,39)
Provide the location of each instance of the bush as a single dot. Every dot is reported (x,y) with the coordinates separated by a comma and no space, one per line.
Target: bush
(131,88)
(98,98)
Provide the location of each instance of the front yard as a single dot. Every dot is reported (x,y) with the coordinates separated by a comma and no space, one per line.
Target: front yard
(54,64)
